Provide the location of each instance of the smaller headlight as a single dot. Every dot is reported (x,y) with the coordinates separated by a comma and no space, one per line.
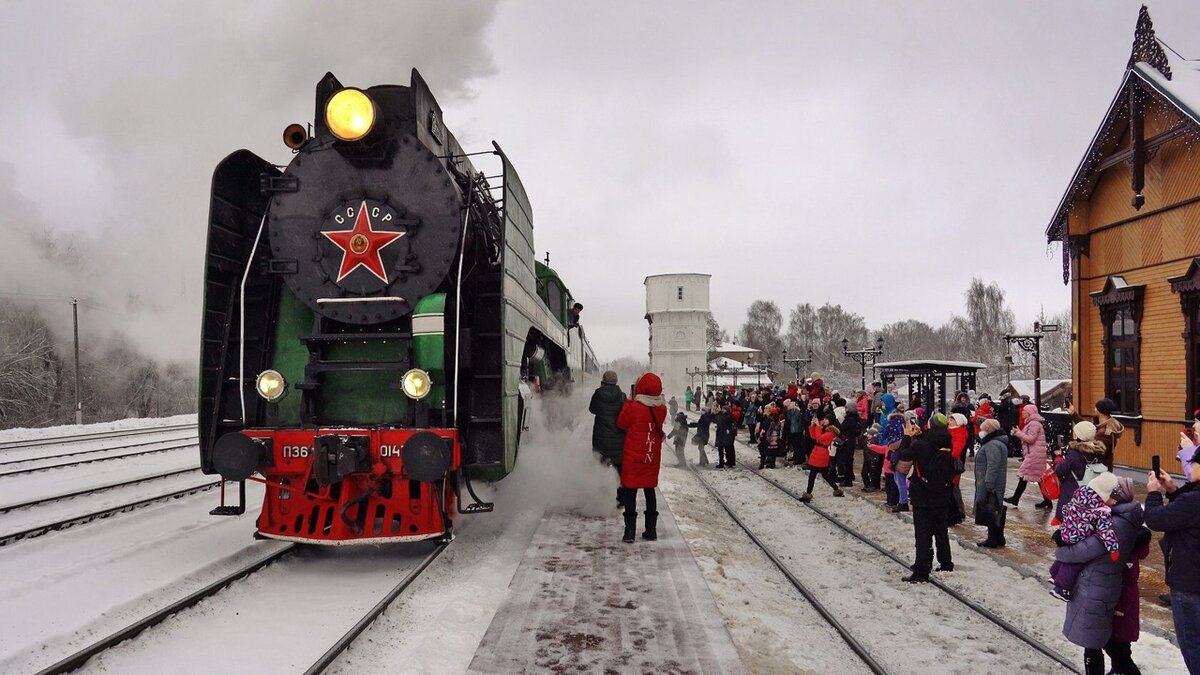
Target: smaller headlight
(416,384)
(271,385)
(350,114)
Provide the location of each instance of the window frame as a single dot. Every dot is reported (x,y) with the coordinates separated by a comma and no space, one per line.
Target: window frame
(1187,286)
(1119,298)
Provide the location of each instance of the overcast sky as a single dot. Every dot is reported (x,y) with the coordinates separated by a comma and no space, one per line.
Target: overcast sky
(876,155)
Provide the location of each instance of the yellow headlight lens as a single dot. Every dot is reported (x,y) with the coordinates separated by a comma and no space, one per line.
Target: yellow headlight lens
(271,385)
(350,114)
(416,384)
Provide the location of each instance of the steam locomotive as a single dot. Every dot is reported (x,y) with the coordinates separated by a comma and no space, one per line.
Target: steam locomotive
(375,322)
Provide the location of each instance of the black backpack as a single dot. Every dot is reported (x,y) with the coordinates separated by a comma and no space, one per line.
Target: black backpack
(937,473)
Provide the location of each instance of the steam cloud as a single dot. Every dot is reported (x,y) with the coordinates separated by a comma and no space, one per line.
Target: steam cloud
(124,109)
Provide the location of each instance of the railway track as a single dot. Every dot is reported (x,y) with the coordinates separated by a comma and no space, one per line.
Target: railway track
(870,660)
(99,435)
(65,523)
(95,488)
(79,658)
(42,467)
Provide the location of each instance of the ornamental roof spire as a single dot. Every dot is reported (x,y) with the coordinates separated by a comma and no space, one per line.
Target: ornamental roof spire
(1146,46)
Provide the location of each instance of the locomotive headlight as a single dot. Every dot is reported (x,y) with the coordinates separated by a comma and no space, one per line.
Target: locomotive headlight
(270,385)
(416,384)
(350,114)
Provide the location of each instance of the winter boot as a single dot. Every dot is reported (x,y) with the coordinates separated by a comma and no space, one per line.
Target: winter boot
(651,533)
(806,497)
(1014,500)
(630,528)
(839,493)
(1044,504)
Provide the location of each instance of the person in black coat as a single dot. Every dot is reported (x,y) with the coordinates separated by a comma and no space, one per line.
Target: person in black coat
(1179,520)
(930,491)
(1008,414)
(702,427)
(608,441)
(726,430)
(851,427)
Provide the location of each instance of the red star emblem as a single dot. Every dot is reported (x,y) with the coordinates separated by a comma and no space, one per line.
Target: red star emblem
(362,245)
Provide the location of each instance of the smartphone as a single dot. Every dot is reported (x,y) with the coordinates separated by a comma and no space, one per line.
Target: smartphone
(632,390)
(1155,464)
(1190,432)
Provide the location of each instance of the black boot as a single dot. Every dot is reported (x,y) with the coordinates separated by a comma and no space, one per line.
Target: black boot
(630,528)
(651,533)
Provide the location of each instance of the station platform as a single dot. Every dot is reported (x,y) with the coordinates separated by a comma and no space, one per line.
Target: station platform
(582,600)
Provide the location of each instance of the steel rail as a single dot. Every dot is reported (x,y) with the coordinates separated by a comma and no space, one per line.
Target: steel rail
(98,488)
(9,462)
(13,472)
(80,657)
(351,635)
(979,609)
(39,530)
(845,634)
(75,438)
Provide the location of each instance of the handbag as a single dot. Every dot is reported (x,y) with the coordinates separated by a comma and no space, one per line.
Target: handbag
(1049,485)
(991,512)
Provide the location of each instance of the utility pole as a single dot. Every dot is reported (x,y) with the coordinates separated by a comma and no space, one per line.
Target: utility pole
(75,320)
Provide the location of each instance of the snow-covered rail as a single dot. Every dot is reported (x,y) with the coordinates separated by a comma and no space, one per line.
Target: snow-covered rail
(64,523)
(80,657)
(28,465)
(964,600)
(42,441)
(845,633)
(4,508)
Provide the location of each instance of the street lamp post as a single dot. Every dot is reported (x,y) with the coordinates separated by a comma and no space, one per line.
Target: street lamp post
(863,357)
(797,362)
(1032,343)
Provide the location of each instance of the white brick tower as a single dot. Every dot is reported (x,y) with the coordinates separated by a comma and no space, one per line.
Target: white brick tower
(677,310)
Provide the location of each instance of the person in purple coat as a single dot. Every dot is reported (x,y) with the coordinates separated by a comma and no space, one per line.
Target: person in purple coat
(1082,452)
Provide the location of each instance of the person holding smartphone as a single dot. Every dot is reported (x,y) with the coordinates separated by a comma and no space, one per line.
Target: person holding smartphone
(1175,511)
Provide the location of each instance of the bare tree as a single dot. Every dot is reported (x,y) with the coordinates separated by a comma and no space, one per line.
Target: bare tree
(761,330)
(1056,347)
(29,368)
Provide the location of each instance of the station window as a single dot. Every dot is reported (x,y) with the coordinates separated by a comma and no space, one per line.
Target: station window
(1120,307)
(679,293)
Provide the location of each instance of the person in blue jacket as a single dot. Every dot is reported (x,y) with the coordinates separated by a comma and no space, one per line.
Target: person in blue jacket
(1179,521)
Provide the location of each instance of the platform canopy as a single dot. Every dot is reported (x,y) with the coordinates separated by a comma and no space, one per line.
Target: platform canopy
(928,378)
(726,372)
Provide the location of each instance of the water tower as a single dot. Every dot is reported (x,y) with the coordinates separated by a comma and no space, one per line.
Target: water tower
(677,311)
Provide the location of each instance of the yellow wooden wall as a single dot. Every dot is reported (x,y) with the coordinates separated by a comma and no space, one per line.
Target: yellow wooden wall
(1146,251)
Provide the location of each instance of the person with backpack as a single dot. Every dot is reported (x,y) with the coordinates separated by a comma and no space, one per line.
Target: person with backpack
(726,431)
(930,492)
(823,434)
(770,439)
(1084,460)
(642,420)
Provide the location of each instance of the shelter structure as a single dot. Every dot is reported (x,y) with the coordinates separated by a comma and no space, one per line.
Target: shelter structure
(929,379)
(736,352)
(1129,225)
(1055,393)
(725,372)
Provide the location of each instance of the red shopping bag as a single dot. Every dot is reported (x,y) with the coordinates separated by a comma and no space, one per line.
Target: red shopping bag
(1049,483)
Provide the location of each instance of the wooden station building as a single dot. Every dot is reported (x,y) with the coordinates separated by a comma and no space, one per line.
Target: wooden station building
(1129,224)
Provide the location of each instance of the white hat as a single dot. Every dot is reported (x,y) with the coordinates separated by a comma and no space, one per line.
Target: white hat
(959,419)
(1104,484)
(840,413)
(1084,431)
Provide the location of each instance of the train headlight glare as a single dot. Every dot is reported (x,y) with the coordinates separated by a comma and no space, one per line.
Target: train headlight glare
(416,384)
(270,385)
(350,114)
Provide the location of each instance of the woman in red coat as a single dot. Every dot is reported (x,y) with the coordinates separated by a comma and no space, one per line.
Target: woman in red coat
(642,421)
(823,434)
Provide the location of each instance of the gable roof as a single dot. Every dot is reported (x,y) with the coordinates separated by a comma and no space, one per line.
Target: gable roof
(1175,83)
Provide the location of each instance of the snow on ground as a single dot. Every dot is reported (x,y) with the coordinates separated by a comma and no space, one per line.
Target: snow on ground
(65,589)
(24,487)
(27,458)
(437,624)
(907,628)
(773,626)
(280,619)
(24,433)
(1015,594)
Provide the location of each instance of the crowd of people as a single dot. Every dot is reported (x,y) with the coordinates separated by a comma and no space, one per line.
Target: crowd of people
(916,455)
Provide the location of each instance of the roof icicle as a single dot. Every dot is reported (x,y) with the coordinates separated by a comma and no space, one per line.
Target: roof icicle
(1146,47)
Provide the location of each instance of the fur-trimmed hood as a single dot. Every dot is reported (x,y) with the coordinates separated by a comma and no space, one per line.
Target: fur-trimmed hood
(1087,447)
